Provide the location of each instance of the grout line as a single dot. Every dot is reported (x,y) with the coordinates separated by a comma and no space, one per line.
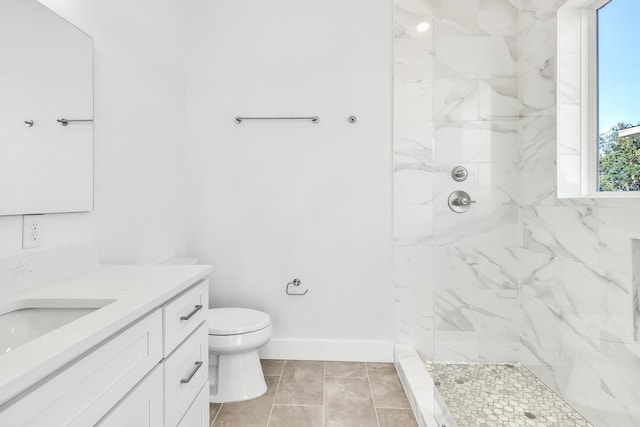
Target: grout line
(324,389)
(345,376)
(217,413)
(390,407)
(290,404)
(373,399)
(275,396)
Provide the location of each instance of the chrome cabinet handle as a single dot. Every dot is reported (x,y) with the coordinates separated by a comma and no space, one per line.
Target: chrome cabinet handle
(191,375)
(193,313)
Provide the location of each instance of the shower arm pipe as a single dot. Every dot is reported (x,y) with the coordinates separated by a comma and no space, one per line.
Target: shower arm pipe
(314,119)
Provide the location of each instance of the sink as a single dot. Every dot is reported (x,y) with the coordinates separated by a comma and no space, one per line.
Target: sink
(25,320)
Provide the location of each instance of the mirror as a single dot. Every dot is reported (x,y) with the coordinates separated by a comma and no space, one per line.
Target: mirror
(46,75)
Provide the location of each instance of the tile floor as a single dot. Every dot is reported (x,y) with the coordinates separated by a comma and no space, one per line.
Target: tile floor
(500,395)
(322,394)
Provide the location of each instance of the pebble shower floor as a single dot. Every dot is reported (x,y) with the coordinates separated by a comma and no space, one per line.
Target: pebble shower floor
(500,395)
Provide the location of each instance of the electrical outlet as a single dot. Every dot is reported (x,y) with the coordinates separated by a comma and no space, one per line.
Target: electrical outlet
(32,231)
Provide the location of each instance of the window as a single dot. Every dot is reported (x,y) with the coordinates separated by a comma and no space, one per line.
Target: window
(598,59)
(618,90)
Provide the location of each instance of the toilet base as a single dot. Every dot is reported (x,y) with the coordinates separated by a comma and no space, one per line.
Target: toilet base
(235,377)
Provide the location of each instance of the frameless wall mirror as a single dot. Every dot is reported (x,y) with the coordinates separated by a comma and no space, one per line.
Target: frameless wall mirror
(46,112)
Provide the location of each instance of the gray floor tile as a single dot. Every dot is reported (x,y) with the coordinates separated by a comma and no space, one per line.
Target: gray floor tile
(389,417)
(296,416)
(272,368)
(345,369)
(214,408)
(301,383)
(252,413)
(386,386)
(348,403)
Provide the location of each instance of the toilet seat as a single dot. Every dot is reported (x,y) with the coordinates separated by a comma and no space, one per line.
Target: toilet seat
(236,321)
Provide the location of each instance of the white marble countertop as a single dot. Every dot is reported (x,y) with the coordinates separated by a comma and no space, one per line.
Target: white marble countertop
(136,291)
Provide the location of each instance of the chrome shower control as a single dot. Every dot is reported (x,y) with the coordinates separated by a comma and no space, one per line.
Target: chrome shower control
(460,201)
(459,173)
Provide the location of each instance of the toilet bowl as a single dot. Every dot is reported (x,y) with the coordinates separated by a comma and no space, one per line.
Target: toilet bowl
(235,334)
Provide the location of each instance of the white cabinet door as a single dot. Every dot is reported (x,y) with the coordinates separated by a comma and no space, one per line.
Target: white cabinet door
(81,394)
(186,371)
(142,407)
(184,314)
(198,414)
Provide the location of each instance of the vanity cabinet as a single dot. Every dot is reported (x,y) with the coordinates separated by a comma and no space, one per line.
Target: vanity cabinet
(152,373)
(142,407)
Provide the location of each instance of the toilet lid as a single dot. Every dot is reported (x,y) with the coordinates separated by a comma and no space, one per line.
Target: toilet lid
(234,321)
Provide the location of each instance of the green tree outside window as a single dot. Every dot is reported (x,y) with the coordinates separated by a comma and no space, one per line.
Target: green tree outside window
(619,160)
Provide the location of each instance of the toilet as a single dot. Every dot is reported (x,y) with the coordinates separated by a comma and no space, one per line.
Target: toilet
(235,334)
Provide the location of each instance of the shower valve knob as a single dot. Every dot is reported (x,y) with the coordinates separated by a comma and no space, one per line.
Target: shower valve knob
(460,201)
(459,173)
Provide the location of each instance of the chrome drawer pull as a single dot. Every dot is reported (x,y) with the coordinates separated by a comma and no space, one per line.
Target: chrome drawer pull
(193,313)
(188,379)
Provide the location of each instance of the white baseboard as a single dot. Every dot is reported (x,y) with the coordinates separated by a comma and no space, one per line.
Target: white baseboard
(337,350)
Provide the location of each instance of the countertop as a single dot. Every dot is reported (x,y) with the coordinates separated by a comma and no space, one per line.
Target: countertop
(136,291)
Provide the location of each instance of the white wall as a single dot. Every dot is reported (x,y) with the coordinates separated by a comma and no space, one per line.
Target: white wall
(139,130)
(273,201)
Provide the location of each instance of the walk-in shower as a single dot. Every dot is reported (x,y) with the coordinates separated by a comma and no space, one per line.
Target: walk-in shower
(513,307)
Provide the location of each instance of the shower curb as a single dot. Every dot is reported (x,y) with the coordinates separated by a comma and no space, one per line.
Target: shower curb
(428,407)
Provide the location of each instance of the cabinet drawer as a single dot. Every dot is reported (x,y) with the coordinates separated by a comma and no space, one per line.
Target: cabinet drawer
(84,392)
(186,371)
(140,408)
(183,315)
(198,414)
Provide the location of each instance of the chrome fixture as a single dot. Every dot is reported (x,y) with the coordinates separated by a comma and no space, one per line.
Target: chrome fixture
(314,119)
(459,173)
(65,122)
(29,123)
(460,201)
(192,374)
(296,283)
(352,119)
(196,308)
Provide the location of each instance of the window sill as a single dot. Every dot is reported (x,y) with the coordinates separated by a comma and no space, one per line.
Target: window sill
(606,195)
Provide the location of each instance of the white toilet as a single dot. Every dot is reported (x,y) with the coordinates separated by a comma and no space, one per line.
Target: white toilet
(235,334)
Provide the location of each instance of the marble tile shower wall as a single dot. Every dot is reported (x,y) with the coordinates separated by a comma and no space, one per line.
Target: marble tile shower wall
(456,103)
(523,275)
(579,289)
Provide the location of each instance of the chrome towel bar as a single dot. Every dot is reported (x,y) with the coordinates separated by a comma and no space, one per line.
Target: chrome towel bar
(314,119)
(65,122)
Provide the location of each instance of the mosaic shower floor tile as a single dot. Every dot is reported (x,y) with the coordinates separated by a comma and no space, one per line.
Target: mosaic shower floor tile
(500,395)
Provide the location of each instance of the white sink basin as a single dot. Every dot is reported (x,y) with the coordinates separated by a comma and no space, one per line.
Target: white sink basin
(25,320)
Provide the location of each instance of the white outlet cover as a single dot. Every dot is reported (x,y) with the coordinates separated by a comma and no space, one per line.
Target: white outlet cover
(32,231)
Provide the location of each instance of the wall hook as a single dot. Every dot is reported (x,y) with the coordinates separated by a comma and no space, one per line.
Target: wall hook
(295,283)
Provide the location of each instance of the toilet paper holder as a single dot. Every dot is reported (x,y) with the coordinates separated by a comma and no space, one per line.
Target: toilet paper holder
(295,283)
